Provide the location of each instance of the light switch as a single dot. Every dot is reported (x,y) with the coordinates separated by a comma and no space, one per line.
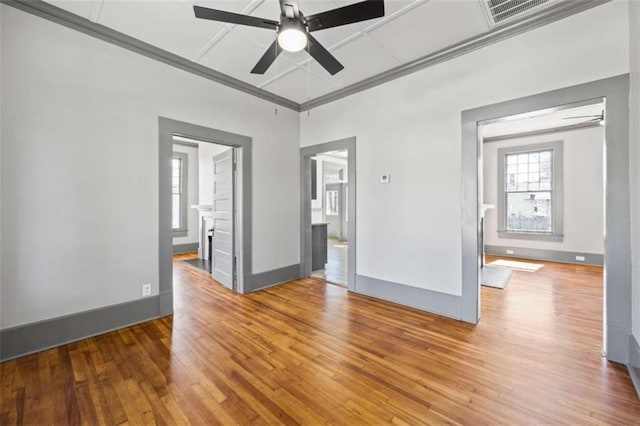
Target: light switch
(386,178)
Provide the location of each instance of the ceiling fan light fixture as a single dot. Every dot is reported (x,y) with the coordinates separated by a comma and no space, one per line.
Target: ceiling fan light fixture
(292,36)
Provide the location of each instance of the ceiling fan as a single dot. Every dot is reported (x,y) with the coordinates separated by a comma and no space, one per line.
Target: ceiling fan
(294,29)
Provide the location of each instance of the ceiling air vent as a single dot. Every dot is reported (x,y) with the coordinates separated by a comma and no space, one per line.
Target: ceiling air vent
(500,11)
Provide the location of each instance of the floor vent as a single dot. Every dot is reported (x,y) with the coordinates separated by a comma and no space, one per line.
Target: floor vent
(500,11)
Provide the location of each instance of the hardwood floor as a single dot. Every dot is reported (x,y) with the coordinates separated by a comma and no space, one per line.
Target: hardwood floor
(310,353)
(337,263)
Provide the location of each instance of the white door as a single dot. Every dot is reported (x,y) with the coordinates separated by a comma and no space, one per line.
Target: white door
(223,213)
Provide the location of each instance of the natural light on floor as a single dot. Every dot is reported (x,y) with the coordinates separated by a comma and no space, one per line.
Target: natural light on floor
(515,264)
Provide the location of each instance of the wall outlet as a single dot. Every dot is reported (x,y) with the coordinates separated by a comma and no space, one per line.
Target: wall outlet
(146,289)
(509,251)
(386,178)
(580,258)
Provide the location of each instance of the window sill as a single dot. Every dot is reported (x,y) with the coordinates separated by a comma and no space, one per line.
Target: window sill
(180,232)
(556,238)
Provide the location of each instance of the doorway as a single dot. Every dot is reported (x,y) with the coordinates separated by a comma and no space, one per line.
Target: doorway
(329,227)
(542,212)
(235,241)
(328,234)
(617,262)
(204,191)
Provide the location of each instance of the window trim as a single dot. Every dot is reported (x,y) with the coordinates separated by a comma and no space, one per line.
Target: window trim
(183,230)
(557,234)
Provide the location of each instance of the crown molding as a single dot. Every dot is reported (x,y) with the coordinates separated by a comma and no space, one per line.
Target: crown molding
(498,33)
(513,28)
(60,16)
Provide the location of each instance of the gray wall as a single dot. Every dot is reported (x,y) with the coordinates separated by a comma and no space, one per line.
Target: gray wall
(634,158)
(80,148)
(409,230)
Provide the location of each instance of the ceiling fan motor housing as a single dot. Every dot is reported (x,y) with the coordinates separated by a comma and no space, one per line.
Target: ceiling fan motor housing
(291,24)
(292,35)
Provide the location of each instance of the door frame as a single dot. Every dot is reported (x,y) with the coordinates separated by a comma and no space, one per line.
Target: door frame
(348,144)
(167,128)
(617,264)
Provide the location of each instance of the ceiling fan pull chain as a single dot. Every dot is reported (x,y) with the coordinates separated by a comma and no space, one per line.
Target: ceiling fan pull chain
(308,88)
(275,98)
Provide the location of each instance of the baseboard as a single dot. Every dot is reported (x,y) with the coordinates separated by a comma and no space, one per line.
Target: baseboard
(185,248)
(547,255)
(42,335)
(276,276)
(431,301)
(634,363)
(617,344)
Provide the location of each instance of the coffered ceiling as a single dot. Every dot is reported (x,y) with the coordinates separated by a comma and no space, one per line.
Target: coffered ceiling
(411,29)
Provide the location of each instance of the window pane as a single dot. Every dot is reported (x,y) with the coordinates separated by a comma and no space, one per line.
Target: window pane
(512,169)
(523,158)
(512,159)
(511,182)
(534,167)
(545,156)
(534,157)
(523,168)
(332,203)
(545,185)
(175,175)
(176,211)
(545,170)
(529,212)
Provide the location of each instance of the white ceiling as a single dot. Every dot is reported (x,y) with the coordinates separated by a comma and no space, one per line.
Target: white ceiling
(409,30)
(543,120)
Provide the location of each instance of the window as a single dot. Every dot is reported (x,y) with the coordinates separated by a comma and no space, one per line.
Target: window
(179,194)
(530,192)
(332,203)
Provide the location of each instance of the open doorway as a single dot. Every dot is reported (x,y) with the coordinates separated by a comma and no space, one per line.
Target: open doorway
(617,262)
(204,213)
(328,212)
(329,216)
(239,237)
(542,205)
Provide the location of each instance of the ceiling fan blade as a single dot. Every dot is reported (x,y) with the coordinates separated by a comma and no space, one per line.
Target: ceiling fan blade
(267,59)
(234,18)
(322,55)
(368,9)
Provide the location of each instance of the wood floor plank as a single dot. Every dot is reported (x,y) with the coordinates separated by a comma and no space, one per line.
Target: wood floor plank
(308,352)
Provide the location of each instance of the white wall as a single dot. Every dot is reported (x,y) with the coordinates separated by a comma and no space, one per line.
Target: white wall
(1,122)
(409,230)
(193,182)
(634,53)
(583,191)
(80,218)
